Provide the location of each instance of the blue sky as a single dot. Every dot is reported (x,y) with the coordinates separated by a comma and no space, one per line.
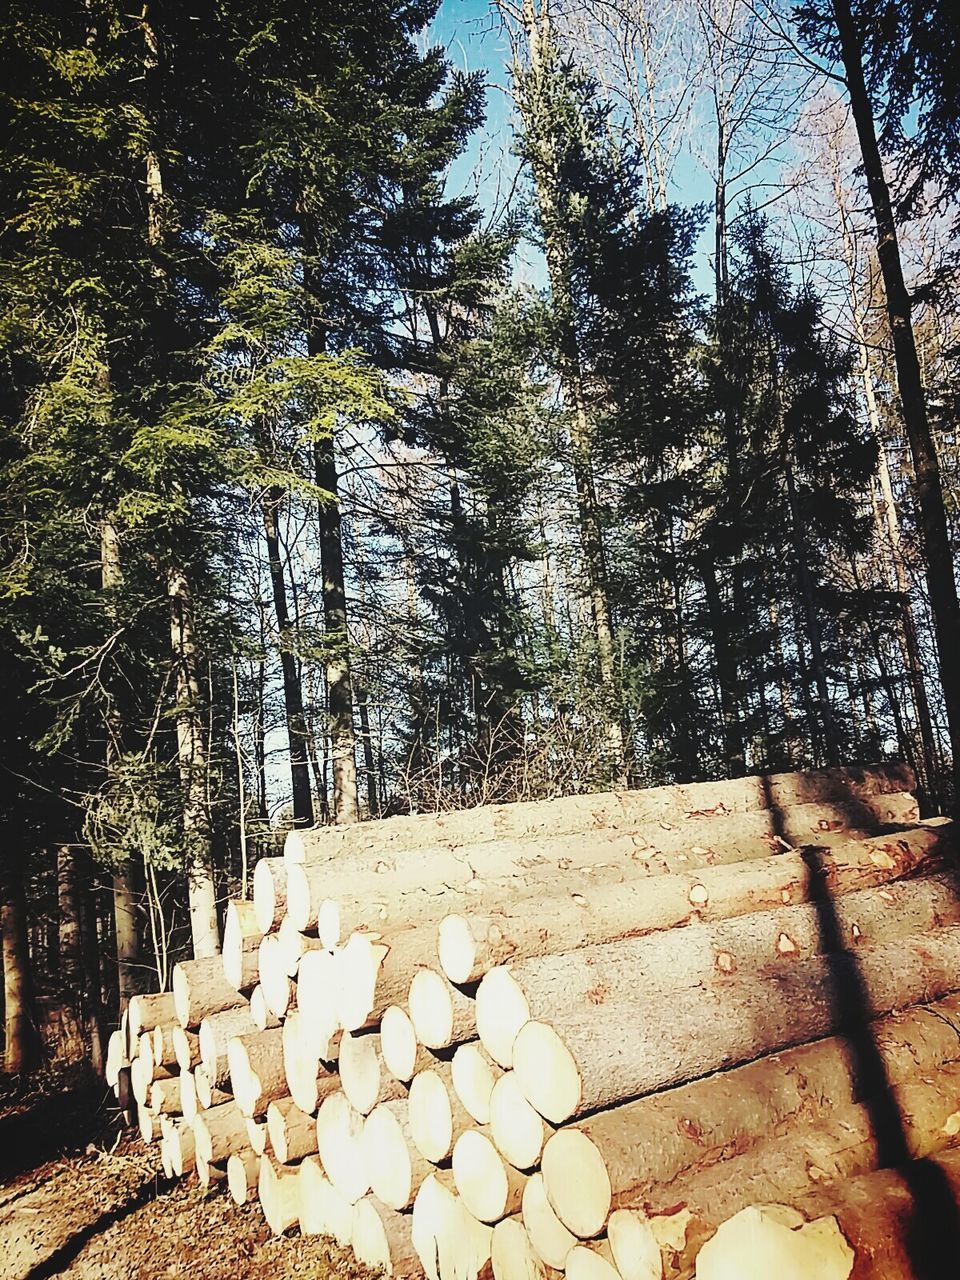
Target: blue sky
(474,42)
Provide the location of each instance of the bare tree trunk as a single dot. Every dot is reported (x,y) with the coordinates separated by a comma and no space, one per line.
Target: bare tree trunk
(124,894)
(886,517)
(812,627)
(193,763)
(75,977)
(537,28)
(726,667)
(337,641)
(941,582)
(369,767)
(191,738)
(22,1052)
(90,959)
(69,935)
(292,689)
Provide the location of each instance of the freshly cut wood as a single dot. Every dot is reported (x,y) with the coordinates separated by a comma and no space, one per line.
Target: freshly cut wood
(582,1209)
(783,1169)
(363,1075)
(200,988)
(382,1240)
(340,1144)
(587,914)
(324,1211)
(189,1106)
(166,1157)
(260,1011)
(293,1133)
(308,1079)
(442,1014)
(256,1070)
(616,971)
(275,983)
(768,1240)
(186,1048)
(489,1188)
(164,1044)
(550,1239)
(182,1147)
(209,1174)
(474,1073)
(517,1129)
(357,978)
(269,893)
(258,1135)
(165,1096)
(241,938)
(634,1245)
(147,1123)
(591,1262)
(450,1242)
(116,1058)
(278,1189)
(512,1256)
(659,1136)
(216,1032)
(587,813)
(402,1055)
(220,1132)
(145,1052)
(397,1169)
(593,1057)
(434,1222)
(243,1175)
(294,944)
(148,1011)
(435,1114)
(316,1001)
(140,1081)
(208,1094)
(889,1230)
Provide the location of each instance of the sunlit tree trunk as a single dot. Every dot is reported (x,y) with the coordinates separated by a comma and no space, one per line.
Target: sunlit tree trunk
(292,689)
(941,582)
(22,1052)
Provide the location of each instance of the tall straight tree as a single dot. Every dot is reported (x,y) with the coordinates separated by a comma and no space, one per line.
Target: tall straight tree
(555,141)
(847,32)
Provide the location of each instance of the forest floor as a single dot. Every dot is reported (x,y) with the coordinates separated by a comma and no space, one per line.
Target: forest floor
(81,1199)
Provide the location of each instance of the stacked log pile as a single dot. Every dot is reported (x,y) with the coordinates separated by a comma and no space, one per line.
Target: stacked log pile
(575,1035)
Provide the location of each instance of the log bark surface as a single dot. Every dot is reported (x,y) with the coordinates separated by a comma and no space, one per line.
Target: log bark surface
(592,1057)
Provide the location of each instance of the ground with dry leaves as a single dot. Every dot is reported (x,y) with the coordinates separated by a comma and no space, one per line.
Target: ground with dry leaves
(79,1198)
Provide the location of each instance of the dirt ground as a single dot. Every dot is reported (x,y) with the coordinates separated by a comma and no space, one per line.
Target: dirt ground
(81,1199)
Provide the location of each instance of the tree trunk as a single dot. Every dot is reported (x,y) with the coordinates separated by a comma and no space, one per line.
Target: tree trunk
(582,428)
(812,627)
(726,670)
(292,689)
(680,1131)
(194,767)
(591,1056)
(941,582)
(780,1170)
(369,765)
(124,895)
(22,1043)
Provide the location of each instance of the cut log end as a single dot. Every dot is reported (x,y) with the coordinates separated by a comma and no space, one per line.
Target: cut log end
(550,1239)
(516,1127)
(576,1182)
(512,1256)
(489,1189)
(501,1011)
(546,1072)
(398,1043)
(457,949)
